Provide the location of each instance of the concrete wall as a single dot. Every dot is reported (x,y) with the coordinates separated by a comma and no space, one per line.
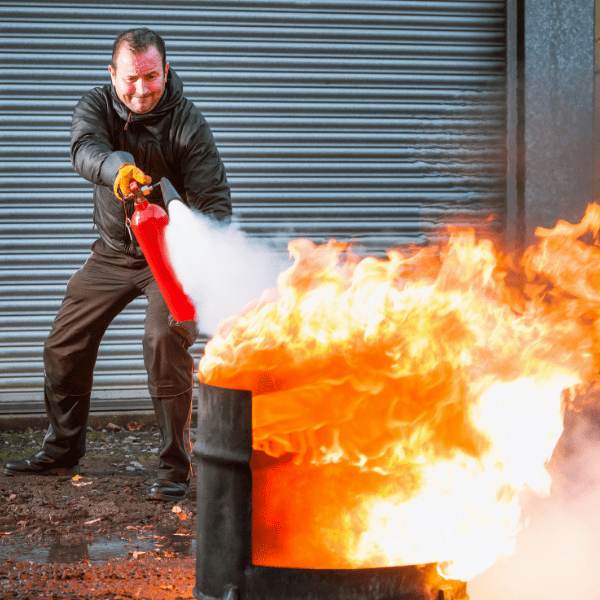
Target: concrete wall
(559,111)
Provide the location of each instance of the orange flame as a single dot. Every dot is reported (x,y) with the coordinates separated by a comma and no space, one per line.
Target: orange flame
(400,405)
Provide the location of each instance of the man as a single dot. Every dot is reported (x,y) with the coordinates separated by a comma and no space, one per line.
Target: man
(141,128)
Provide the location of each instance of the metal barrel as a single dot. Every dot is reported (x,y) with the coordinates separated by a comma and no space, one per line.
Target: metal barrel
(224,519)
(224,569)
(383,583)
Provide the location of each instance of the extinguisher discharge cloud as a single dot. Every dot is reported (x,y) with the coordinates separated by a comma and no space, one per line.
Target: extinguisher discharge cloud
(220,268)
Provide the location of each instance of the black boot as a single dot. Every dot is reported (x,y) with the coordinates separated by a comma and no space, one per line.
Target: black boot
(173,414)
(41,464)
(64,443)
(169,491)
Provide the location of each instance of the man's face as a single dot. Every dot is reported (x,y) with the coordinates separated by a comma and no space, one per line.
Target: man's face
(139,79)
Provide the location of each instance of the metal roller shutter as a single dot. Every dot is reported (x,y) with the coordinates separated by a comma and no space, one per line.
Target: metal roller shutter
(380,121)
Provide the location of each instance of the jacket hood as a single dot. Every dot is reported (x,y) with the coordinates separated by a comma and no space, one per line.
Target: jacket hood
(171,96)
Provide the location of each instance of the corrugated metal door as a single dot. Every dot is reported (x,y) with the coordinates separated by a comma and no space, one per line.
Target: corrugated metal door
(380,121)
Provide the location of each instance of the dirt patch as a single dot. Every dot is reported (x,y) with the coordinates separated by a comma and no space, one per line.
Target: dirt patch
(51,526)
(147,577)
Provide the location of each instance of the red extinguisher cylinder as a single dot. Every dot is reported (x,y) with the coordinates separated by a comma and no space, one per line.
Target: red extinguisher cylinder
(148,223)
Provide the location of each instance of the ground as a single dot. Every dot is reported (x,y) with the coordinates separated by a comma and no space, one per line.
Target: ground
(98,537)
(95,536)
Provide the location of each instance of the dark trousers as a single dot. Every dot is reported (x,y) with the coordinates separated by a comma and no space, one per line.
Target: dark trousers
(96,294)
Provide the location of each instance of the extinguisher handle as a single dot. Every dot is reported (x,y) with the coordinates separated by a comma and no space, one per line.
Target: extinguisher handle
(137,193)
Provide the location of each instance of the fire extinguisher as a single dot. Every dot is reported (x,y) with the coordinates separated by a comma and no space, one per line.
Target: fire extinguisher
(149,222)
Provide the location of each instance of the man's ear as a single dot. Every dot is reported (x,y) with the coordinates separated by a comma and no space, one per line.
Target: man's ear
(112,73)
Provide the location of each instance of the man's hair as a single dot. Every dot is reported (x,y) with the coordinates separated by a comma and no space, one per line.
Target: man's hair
(138,41)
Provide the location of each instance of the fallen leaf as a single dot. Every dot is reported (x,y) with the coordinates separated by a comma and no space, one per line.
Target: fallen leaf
(93,521)
(167,587)
(112,427)
(133,426)
(76,478)
(79,484)
(177,509)
(6,532)
(12,496)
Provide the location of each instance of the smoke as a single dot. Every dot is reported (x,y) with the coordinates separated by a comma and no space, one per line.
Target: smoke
(557,556)
(220,269)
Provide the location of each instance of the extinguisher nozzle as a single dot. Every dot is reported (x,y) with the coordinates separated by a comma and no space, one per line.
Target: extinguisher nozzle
(168,191)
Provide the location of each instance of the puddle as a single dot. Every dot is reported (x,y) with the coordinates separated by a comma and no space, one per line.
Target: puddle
(100,550)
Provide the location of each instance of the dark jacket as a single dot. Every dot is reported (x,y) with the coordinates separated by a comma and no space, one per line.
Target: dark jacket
(172,141)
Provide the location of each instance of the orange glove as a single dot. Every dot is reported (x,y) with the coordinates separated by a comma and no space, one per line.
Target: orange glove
(128,173)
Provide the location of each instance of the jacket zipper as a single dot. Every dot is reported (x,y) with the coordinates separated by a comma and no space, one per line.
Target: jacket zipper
(127,219)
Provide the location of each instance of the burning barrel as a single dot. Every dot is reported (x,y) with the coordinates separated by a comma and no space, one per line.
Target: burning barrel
(224,569)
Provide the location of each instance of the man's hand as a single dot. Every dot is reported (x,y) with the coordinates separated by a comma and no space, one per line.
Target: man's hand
(128,173)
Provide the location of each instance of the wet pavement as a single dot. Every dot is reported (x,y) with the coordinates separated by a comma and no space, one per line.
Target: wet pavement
(95,536)
(101,515)
(161,542)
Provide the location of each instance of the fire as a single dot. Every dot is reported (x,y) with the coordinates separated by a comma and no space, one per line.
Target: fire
(400,405)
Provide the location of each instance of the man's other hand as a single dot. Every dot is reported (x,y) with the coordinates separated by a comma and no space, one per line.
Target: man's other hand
(128,173)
